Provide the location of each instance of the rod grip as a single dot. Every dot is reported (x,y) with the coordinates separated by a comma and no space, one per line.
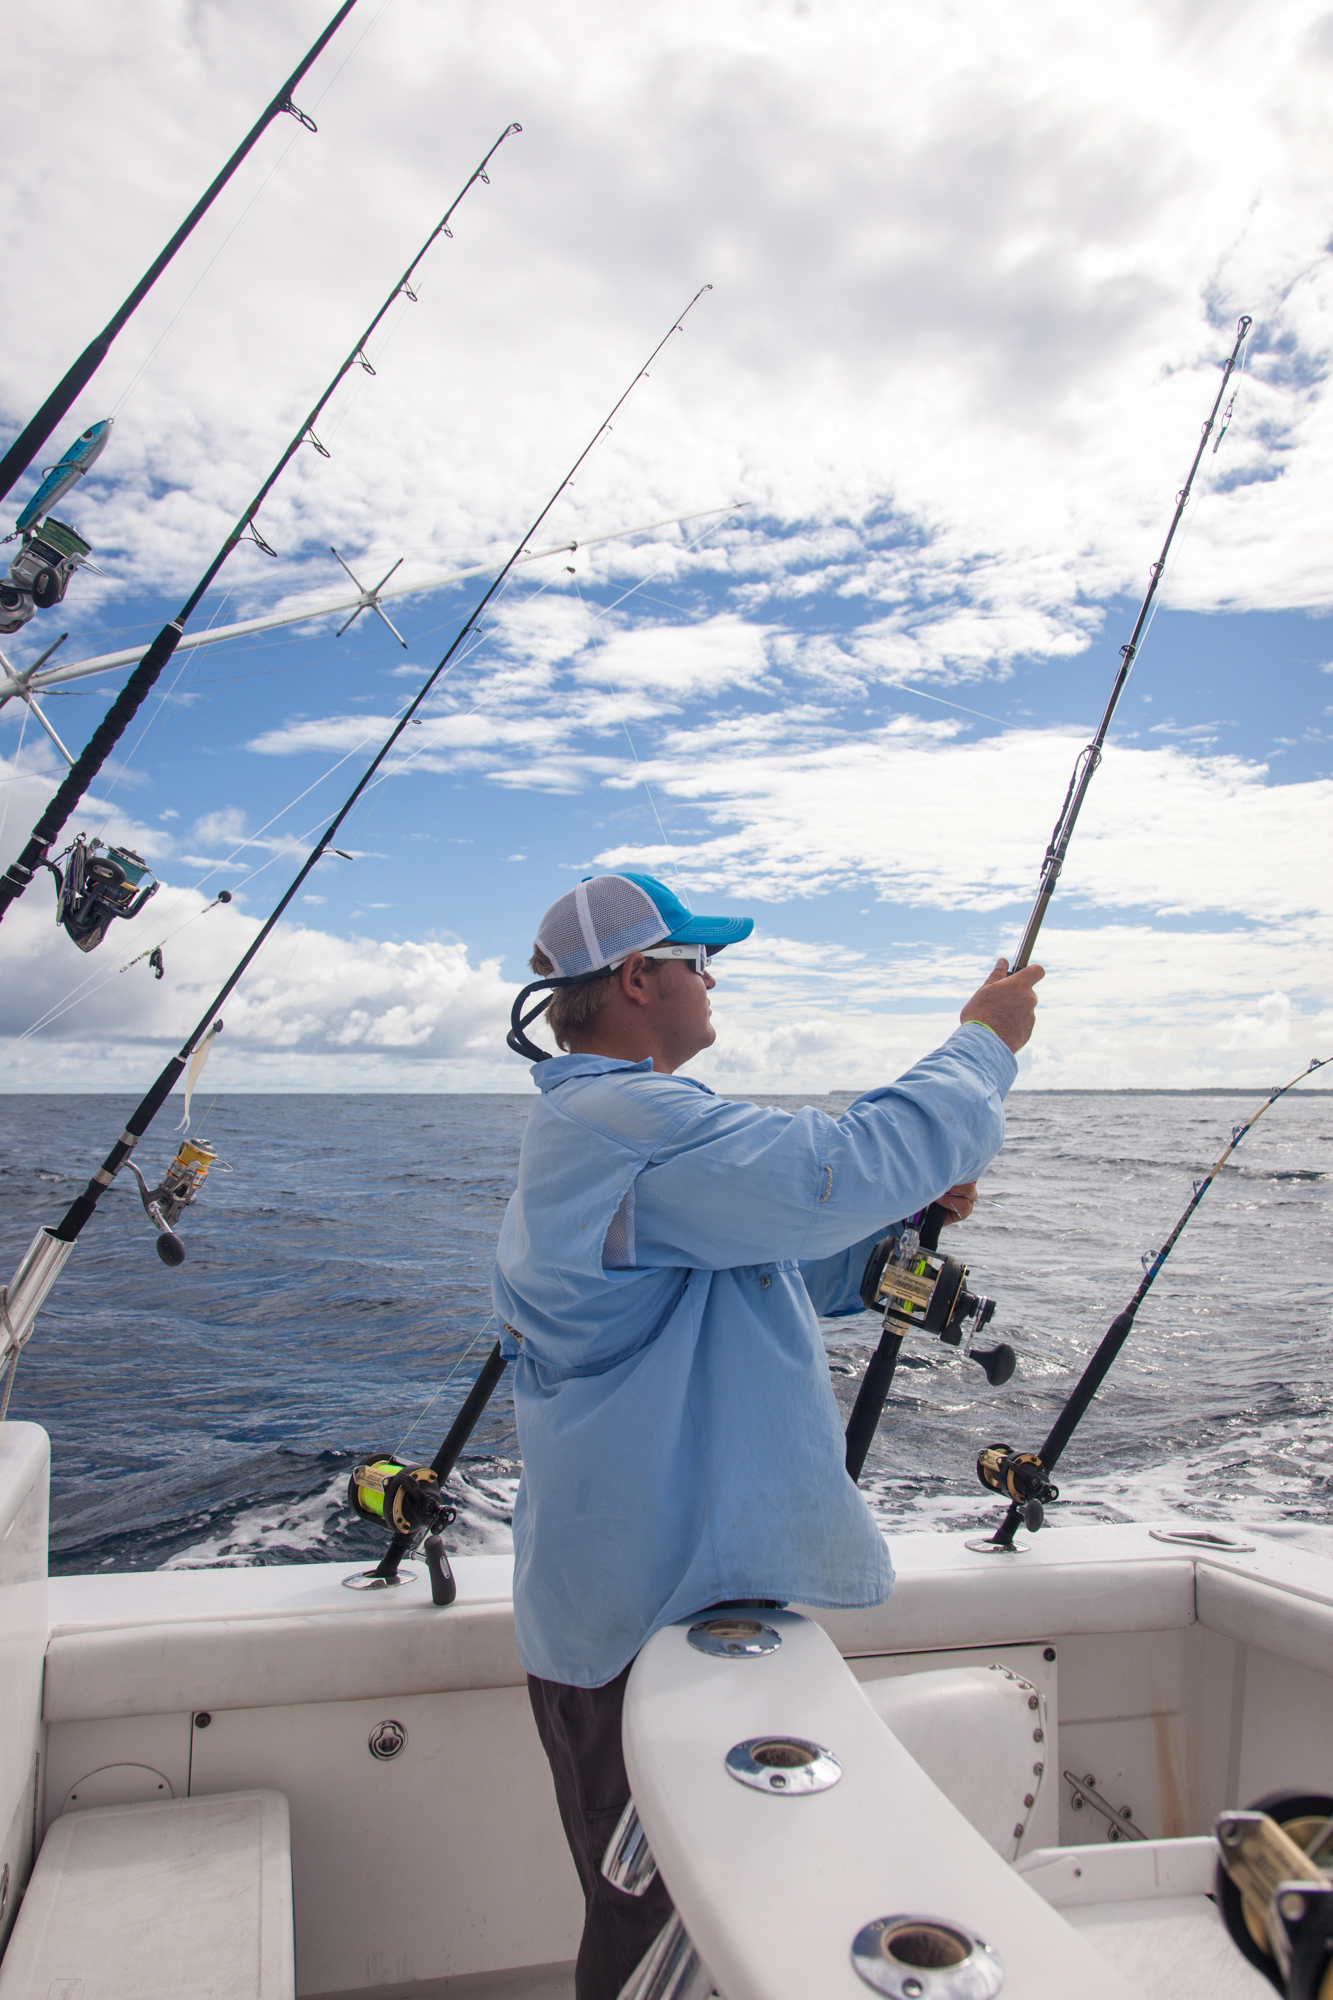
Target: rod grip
(870,1400)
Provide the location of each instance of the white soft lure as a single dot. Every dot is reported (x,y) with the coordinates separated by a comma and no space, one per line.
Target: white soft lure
(196,1070)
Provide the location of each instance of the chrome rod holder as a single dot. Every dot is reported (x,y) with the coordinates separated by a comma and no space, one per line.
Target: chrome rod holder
(670,1969)
(628,1862)
(21,1301)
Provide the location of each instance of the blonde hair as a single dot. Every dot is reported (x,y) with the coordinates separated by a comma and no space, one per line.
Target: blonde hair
(572,1009)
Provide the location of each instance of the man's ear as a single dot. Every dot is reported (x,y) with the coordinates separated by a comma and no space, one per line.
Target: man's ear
(634,980)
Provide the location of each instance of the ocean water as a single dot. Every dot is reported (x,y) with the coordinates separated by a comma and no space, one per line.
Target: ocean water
(335,1302)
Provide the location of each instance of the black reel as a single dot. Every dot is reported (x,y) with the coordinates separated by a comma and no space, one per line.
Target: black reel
(40,573)
(408,1500)
(913,1286)
(95,887)
(1021,1477)
(1284,1927)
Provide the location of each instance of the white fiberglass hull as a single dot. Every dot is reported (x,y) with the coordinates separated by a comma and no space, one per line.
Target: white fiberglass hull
(1184,1680)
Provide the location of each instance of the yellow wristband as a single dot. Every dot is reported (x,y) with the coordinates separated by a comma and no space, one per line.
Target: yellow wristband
(989,1030)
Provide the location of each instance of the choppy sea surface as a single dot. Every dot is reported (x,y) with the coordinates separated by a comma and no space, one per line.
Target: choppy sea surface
(336,1302)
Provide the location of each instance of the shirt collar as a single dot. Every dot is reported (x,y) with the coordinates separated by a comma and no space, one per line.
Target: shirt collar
(559,1069)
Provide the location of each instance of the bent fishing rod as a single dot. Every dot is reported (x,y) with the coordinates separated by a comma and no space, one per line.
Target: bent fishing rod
(1023,1477)
(50,1249)
(998,1362)
(76,378)
(118,717)
(1091,756)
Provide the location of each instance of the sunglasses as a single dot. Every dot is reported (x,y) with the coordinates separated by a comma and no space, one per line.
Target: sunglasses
(697,956)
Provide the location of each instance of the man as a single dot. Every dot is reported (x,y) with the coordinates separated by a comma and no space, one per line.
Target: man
(681,1442)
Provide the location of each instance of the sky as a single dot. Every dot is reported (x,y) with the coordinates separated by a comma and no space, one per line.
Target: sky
(974,269)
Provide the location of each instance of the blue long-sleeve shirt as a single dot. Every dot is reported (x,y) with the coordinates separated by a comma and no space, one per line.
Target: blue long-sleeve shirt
(658,1259)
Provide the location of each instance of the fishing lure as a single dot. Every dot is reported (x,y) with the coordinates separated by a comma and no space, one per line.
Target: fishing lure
(50,1249)
(135,691)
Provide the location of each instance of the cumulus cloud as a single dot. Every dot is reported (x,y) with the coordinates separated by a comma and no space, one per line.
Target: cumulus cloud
(974,276)
(977,271)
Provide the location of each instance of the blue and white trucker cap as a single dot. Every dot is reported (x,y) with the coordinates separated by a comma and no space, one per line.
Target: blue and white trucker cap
(609,916)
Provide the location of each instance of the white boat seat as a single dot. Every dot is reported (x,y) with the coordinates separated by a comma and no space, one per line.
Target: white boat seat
(971,1730)
(186,1899)
(1146,1905)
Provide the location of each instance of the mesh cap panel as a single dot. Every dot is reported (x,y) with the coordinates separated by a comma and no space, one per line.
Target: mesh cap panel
(599,922)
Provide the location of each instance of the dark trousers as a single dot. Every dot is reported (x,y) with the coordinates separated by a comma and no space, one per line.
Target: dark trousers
(580,1732)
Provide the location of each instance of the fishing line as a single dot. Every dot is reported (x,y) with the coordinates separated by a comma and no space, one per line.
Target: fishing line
(468,1351)
(51,1247)
(73,994)
(71,998)
(18,753)
(35,433)
(282,518)
(397,769)
(280,162)
(1024,1477)
(598,611)
(118,718)
(1091,756)
(303,931)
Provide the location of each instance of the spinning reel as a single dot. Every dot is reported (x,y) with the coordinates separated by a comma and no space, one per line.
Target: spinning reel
(97,887)
(177,1190)
(39,574)
(1021,1477)
(1274,1889)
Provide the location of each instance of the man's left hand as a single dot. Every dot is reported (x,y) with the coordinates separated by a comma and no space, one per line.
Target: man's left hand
(960,1200)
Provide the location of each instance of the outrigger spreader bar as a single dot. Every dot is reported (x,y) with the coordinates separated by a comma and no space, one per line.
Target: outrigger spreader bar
(123,709)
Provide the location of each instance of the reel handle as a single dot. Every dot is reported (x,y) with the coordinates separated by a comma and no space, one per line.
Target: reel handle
(443,1586)
(998,1363)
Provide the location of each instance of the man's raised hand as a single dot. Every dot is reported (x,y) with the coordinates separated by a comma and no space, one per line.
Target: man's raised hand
(1006,1003)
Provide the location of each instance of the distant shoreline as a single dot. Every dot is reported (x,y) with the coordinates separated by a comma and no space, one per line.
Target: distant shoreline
(840,1090)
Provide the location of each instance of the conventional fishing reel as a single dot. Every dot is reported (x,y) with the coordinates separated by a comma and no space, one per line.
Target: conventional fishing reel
(908,1280)
(177,1190)
(97,885)
(407,1499)
(410,1499)
(1021,1477)
(1274,1889)
(916,1288)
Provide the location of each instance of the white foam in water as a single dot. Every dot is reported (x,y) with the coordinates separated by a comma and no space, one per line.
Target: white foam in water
(303,1530)
(213,1416)
(289,1530)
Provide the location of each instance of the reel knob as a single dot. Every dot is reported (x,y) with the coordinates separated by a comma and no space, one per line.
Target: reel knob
(998,1363)
(170,1248)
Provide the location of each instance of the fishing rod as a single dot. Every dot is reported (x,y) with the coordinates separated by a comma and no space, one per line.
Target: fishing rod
(95,890)
(76,378)
(51,1248)
(902,1262)
(1023,1477)
(1091,756)
(913,1286)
